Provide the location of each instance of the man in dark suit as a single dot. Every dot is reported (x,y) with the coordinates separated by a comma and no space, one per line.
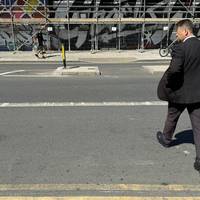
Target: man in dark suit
(180,86)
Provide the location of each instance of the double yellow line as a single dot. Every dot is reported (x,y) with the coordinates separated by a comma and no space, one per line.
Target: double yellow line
(108,190)
(100,198)
(99,187)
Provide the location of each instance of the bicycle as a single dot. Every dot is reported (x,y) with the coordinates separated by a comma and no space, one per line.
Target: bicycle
(165,51)
(40,51)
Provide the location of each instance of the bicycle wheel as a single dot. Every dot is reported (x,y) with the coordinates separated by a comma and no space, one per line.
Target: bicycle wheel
(163,52)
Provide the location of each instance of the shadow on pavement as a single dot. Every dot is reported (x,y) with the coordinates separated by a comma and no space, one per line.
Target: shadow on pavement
(49,56)
(183,137)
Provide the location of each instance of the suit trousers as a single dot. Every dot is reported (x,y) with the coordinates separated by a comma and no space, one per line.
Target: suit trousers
(174,112)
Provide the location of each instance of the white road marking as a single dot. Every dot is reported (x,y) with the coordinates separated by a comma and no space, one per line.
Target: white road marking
(155,68)
(11,72)
(56,76)
(38,76)
(82,104)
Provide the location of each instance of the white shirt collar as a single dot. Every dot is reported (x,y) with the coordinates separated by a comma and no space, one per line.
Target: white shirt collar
(191,36)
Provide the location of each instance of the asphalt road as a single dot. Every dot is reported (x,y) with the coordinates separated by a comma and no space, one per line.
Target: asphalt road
(128,82)
(107,144)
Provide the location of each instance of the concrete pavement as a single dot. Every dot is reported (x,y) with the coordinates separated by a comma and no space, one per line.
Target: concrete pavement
(86,56)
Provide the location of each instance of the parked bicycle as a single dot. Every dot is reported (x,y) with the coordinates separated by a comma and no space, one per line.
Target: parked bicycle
(166,51)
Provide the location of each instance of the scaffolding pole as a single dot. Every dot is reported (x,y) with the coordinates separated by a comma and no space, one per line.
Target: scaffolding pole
(169,13)
(143,28)
(13,33)
(12,26)
(119,27)
(92,29)
(62,21)
(48,37)
(68,28)
(96,28)
(92,38)
(193,9)
(185,7)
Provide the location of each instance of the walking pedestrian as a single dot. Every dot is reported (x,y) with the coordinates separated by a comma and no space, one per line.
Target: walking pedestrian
(180,86)
(39,44)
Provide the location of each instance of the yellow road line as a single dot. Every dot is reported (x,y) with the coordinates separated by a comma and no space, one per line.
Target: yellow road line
(100,198)
(98,187)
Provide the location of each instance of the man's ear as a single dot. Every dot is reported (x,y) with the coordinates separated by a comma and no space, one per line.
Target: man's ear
(186,32)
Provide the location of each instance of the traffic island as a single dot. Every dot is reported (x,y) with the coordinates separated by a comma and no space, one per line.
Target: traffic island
(77,70)
(59,72)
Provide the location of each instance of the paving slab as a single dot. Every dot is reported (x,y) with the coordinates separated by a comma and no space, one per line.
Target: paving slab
(112,56)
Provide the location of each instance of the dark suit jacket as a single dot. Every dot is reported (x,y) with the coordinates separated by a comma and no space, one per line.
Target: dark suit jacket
(181,81)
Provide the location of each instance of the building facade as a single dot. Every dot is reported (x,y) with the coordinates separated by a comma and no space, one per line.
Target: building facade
(91,36)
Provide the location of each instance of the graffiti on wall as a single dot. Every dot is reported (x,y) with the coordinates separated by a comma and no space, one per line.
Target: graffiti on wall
(19,9)
(130,34)
(7,40)
(81,36)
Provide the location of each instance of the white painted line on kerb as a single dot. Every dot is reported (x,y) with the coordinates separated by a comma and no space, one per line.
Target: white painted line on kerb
(11,72)
(82,104)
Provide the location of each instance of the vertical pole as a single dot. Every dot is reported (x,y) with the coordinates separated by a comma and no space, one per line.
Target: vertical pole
(96,29)
(142,37)
(143,27)
(13,33)
(162,32)
(139,14)
(45,8)
(194,7)
(168,22)
(92,33)
(68,27)
(12,25)
(63,56)
(119,28)
(95,37)
(193,10)
(48,37)
(92,38)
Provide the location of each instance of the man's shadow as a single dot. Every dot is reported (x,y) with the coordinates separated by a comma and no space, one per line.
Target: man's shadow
(183,137)
(52,55)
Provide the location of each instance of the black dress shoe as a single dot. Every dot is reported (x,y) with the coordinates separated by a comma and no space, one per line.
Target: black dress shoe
(197,164)
(162,140)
